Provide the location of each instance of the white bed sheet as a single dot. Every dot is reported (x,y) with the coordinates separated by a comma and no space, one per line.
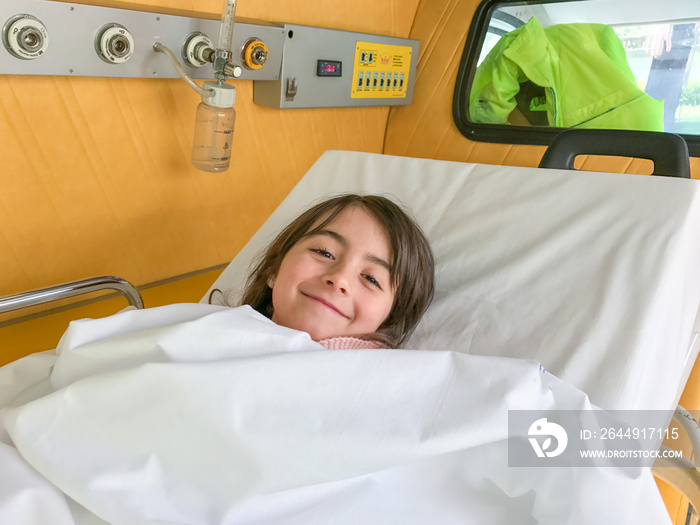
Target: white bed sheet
(595,275)
(198,414)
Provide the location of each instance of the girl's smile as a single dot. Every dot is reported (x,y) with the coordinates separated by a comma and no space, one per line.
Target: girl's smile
(325,304)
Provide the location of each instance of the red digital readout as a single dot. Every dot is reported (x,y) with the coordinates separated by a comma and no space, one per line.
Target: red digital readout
(329,68)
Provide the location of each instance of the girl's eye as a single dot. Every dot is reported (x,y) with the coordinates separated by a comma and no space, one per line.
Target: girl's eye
(371,280)
(323,252)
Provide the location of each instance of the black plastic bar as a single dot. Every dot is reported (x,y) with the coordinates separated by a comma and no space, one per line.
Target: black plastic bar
(668,151)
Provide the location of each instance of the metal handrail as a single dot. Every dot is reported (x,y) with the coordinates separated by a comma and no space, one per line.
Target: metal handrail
(63,291)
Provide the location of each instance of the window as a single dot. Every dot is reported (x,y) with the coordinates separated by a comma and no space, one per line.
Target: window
(532,68)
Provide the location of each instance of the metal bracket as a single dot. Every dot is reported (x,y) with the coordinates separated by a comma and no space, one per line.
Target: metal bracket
(291,90)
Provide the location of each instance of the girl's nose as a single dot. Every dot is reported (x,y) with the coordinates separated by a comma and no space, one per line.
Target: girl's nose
(340,288)
(337,278)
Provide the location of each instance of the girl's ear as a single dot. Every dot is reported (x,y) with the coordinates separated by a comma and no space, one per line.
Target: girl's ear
(271,281)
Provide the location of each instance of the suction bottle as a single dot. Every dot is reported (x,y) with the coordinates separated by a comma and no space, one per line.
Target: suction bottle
(213,130)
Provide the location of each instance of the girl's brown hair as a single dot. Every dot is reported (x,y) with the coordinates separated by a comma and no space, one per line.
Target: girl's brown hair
(412,266)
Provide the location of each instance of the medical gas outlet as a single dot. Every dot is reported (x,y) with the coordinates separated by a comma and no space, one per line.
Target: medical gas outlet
(25,37)
(198,50)
(254,54)
(114,44)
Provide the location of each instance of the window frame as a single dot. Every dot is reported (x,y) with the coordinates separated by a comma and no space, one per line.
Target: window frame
(501,133)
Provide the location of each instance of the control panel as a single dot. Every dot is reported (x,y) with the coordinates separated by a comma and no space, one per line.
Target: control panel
(381,70)
(331,68)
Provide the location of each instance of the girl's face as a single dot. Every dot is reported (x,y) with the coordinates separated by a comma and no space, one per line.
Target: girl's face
(336,282)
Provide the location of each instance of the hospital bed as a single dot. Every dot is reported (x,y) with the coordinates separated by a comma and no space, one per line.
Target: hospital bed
(593,275)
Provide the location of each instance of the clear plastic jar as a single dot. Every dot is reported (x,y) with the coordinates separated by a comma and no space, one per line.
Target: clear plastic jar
(213,129)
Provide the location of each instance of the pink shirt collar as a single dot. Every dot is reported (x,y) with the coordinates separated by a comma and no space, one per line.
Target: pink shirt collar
(348,343)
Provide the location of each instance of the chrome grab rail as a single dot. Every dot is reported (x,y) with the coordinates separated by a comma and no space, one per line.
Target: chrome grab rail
(63,291)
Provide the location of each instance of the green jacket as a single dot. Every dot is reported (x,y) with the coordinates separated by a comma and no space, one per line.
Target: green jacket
(584,70)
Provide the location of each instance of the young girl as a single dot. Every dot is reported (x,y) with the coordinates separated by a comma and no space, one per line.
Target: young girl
(353,272)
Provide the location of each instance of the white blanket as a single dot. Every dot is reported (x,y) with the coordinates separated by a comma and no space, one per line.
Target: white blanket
(199,414)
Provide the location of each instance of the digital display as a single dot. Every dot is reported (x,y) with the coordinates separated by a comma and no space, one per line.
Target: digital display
(329,68)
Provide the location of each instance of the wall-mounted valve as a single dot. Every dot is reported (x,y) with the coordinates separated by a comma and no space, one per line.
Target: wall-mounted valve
(254,53)
(25,37)
(197,50)
(114,44)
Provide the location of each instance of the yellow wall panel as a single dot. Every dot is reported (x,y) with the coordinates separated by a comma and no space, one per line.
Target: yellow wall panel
(425,128)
